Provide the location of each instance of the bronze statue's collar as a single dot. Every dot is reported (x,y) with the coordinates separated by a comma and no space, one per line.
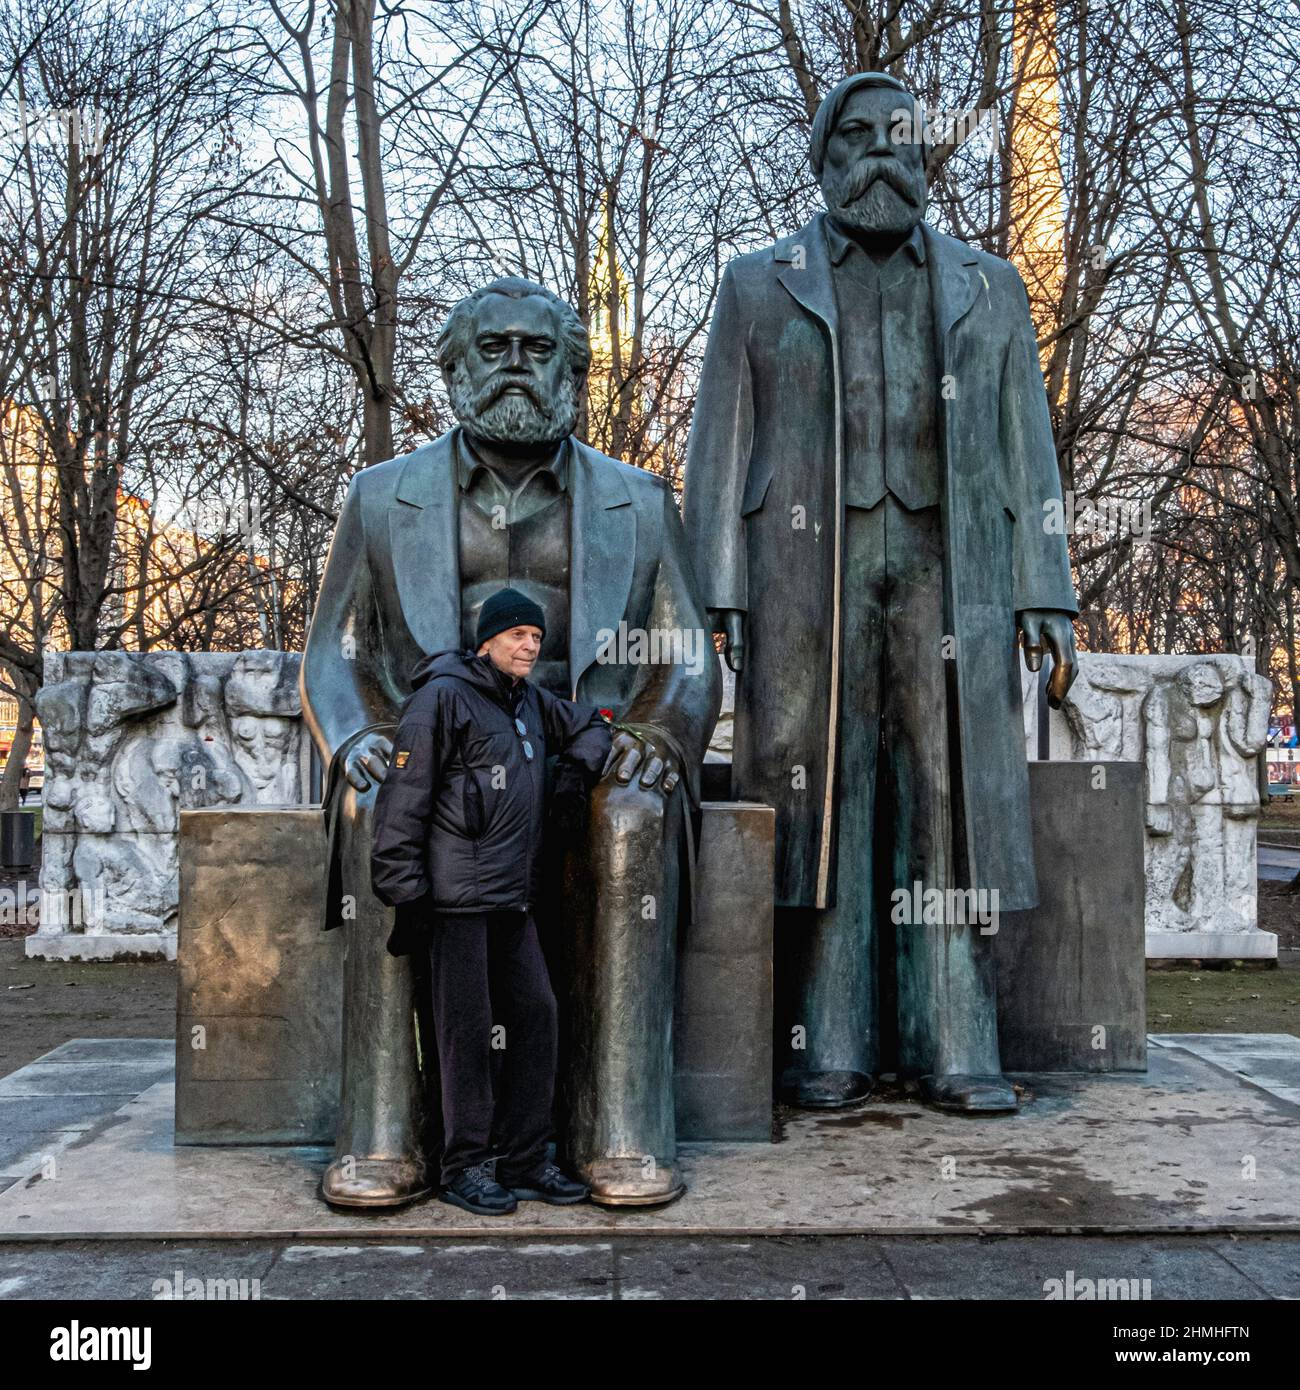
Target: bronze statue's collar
(468,463)
(806,273)
(839,243)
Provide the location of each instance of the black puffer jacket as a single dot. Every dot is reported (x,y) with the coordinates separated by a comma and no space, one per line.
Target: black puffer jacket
(458,819)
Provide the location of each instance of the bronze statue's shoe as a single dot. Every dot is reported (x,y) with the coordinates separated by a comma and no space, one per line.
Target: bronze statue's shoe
(374,1182)
(970,1095)
(824,1090)
(624,1182)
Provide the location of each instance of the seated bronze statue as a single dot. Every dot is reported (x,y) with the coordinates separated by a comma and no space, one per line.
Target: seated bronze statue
(509,497)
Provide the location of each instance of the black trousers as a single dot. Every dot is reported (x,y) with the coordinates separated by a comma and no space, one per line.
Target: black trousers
(492,1001)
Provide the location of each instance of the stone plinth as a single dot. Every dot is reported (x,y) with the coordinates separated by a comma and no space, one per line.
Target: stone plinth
(1198,725)
(131,740)
(1076,961)
(1071,973)
(260,990)
(263,983)
(722,1030)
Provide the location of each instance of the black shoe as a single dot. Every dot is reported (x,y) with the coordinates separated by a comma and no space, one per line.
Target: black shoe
(547,1184)
(474,1189)
(971,1095)
(824,1090)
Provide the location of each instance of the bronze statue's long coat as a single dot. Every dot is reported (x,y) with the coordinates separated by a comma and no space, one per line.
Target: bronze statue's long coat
(764,527)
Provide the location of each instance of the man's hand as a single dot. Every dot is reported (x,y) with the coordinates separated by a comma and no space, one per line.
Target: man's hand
(1051,629)
(731,623)
(368,761)
(657,765)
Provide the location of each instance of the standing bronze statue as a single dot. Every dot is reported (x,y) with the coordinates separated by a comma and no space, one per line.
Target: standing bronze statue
(510,498)
(866,480)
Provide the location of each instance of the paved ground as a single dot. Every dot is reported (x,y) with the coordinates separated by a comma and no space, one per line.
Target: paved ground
(837,1267)
(1280,865)
(1205,1142)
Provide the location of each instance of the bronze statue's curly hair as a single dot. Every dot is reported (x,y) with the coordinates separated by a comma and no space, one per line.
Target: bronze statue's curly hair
(455,332)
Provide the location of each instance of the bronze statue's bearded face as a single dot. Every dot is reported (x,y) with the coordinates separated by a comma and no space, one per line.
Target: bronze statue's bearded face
(512,380)
(870,180)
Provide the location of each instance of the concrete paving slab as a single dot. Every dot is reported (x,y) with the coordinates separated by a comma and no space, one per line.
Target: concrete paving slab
(150,1051)
(25,1114)
(42,1078)
(131,1270)
(1162,1152)
(481,1269)
(1268,1060)
(1272,1264)
(1174,1267)
(1277,864)
(645,1268)
(1231,1045)
(761,1267)
(26,1150)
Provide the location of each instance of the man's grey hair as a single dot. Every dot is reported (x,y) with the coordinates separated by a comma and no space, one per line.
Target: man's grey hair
(454,337)
(828,114)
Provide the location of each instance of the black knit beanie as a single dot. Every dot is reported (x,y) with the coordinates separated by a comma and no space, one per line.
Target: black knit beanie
(505,609)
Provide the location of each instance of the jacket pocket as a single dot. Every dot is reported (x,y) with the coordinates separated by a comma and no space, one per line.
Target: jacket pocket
(756,486)
(473,809)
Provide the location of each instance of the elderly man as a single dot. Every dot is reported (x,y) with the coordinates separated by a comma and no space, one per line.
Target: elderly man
(510,498)
(866,479)
(456,852)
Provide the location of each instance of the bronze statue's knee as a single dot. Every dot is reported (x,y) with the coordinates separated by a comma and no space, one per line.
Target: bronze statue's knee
(627,810)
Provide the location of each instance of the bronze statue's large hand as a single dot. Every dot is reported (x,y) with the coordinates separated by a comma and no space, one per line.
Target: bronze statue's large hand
(731,623)
(367,761)
(628,753)
(1050,628)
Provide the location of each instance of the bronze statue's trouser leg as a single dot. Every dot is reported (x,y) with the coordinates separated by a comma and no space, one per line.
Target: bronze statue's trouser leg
(828,1035)
(621,917)
(892,722)
(947,1002)
(378,1157)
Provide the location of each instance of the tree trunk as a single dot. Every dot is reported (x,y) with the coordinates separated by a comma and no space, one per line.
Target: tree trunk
(9,781)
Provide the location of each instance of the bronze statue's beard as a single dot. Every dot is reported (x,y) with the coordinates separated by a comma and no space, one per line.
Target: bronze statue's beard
(501,418)
(884,201)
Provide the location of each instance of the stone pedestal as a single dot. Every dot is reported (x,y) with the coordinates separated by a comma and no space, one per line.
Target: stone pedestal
(1075,964)
(1072,973)
(259,1000)
(722,1031)
(263,984)
(1198,725)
